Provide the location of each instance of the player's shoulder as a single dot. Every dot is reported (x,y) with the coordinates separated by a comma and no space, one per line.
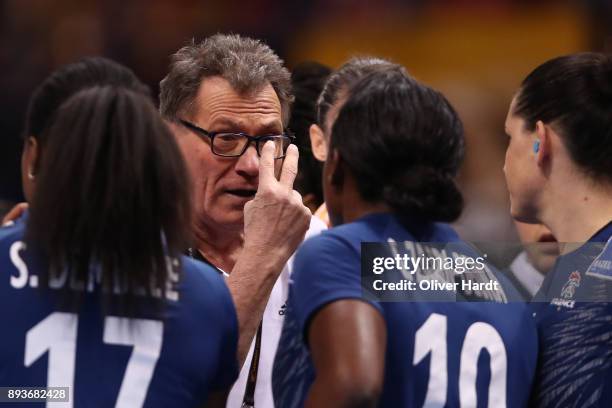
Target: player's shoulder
(366,226)
(443,232)
(366,229)
(348,237)
(11,238)
(203,285)
(326,242)
(205,295)
(314,235)
(201,275)
(325,257)
(12,231)
(314,230)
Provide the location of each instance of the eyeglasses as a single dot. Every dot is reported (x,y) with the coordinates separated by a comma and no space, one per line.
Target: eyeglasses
(232,144)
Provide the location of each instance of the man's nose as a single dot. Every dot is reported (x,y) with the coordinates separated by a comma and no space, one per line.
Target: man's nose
(248,163)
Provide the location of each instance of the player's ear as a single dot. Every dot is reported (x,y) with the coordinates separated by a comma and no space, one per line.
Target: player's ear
(29,165)
(544,133)
(318,142)
(29,157)
(336,171)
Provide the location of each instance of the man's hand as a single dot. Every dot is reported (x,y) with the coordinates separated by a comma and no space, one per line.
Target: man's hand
(276,220)
(16,212)
(275,223)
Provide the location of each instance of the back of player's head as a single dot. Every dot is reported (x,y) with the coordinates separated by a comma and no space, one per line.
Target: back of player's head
(342,79)
(403,142)
(307,79)
(66,81)
(573,94)
(111,190)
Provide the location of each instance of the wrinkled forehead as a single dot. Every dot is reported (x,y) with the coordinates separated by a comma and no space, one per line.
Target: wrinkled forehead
(219,104)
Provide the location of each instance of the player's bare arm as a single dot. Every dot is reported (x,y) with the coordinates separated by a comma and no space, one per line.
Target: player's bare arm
(348,341)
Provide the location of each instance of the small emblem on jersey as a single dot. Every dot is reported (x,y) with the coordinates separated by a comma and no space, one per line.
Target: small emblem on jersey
(569,289)
(568,292)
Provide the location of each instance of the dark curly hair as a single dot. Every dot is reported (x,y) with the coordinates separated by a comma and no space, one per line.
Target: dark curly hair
(404,144)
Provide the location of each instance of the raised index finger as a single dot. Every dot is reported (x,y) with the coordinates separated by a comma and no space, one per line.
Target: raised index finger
(266,165)
(290,167)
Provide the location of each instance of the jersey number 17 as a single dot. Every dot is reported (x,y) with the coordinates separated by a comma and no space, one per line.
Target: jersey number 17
(57,334)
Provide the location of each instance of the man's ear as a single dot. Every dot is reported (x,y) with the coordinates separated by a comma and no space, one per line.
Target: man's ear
(318,142)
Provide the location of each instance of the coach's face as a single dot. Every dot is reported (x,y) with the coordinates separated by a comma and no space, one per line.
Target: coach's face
(223,185)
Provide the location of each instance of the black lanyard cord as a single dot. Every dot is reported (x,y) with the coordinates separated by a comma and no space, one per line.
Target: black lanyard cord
(249,392)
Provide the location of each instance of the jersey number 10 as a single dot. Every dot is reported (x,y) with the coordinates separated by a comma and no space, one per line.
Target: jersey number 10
(431,338)
(57,334)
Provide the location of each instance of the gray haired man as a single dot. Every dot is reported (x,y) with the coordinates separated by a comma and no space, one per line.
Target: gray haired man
(226,98)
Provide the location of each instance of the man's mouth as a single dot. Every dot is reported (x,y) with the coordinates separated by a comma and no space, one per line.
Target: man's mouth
(244,193)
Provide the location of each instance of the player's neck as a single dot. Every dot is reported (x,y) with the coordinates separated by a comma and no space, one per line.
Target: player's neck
(354,207)
(221,247)
(577,211)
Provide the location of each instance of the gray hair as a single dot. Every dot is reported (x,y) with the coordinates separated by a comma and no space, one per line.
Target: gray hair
(247,64)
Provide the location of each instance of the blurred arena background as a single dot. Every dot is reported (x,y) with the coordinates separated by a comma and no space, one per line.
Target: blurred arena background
(475,51)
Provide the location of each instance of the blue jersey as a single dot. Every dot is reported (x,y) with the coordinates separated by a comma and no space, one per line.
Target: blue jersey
(438,353)
(574,318)
(105,358)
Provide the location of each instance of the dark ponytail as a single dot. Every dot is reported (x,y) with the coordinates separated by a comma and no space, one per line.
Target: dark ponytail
(404,144)
(574,93)
(110,192)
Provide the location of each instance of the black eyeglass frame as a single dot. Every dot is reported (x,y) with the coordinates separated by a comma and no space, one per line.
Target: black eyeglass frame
(257,139)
